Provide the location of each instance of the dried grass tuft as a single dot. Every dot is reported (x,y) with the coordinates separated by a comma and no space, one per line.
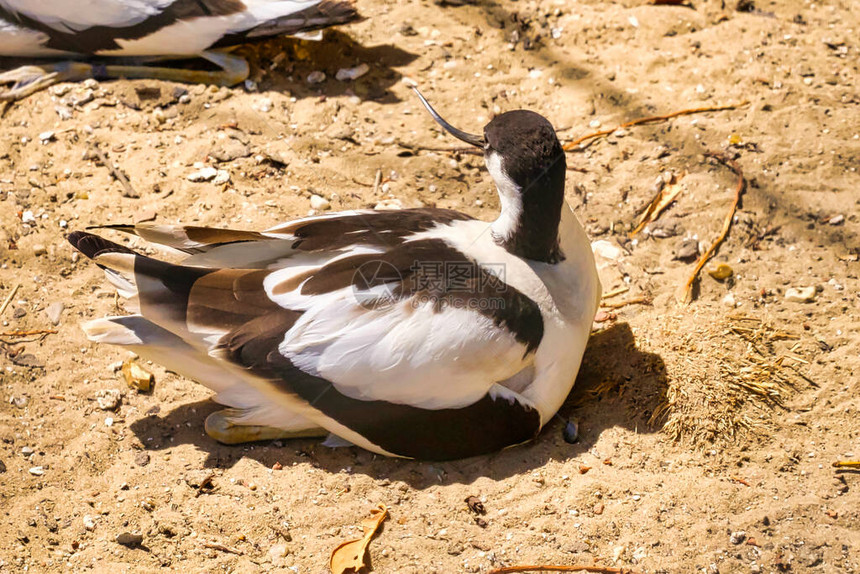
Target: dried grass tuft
(728,379)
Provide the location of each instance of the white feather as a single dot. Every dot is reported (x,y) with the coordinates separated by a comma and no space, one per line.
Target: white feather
(185,37)
(233,389)
(73,16)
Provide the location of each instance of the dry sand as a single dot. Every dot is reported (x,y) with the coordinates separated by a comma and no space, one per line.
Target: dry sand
(698,423)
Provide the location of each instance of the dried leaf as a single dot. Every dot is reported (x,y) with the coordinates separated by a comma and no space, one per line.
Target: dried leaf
(349,556)
(137,377)
(475,505)
(660,202)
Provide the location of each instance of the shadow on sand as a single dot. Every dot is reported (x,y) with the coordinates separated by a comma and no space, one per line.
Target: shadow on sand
(283,65)
(612,363)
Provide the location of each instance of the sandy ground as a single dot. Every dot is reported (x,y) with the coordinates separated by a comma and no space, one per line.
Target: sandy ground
(709,429)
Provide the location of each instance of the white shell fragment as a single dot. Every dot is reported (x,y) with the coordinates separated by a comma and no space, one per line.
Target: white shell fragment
(348,74)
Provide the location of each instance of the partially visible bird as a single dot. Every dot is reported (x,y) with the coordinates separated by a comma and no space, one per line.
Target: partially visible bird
(421,333)
(147,30)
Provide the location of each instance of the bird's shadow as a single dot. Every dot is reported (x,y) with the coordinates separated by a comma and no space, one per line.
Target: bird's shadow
(281,64)
(618,385)
(296,59)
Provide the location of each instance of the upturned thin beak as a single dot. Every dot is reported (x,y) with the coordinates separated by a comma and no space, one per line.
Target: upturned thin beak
(477,141)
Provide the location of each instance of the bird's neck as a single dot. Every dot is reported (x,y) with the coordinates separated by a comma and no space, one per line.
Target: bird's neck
(528,224)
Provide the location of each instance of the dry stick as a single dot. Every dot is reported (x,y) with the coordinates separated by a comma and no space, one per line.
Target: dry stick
(624,303)
(603,133)
(846,464)
(615,292)
(376,181)
(9,298)
(222,548)
(115,172)
(544,568)
(28,333)
(686,294)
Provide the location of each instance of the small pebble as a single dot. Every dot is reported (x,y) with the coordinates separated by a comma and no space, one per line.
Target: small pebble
(316,77)
(276,554)
(39,250)
(738,537)
(28,217)
(221,177)
(65,112)
(37,471)
(570,433)
(688,251)
(46,137)
(721,271)
(108,399)
(27,451)
(800,294)
(729,301)
(347,74)
(607,250)
(205,174)
(129,539)
(836,220)
(319,203)
(89,522)
(389,204)
(141,458)
(54,311)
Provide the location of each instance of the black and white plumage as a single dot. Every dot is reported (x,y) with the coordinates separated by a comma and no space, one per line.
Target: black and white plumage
(149,28)
(341,323)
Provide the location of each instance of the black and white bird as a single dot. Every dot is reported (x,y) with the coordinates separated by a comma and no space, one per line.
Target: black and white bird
(147,30)
(420,333)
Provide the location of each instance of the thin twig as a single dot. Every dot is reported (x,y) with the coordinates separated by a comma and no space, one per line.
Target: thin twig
(614,292)
(624,303)
(115,172)
(846,464)
(222,548)
(9,298)
(603,133)
(547,568)
(28,333)
(739,480)
(685,296)
(376,181)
